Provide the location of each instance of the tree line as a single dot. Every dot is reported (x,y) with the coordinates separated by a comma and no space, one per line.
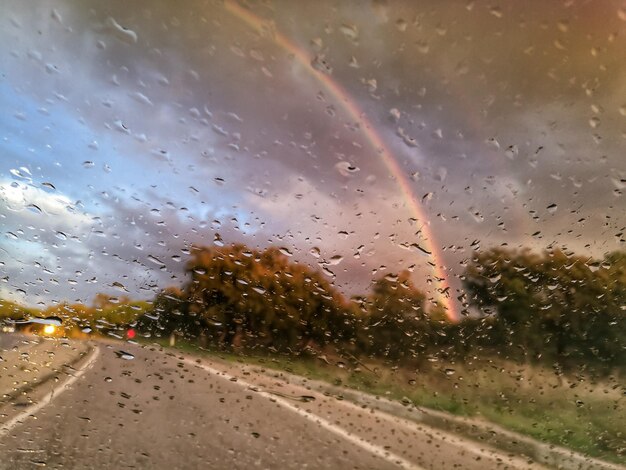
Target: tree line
(554,307)
(551,307)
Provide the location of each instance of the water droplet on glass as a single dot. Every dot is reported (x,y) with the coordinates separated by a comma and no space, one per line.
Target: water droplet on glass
(120,32)
(346,169)
(320,64)
(34,208)
(285,251)
(350,31)
(335,260)
(125,355)
(155,260)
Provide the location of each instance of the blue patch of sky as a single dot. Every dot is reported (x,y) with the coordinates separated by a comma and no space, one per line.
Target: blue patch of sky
(56,145)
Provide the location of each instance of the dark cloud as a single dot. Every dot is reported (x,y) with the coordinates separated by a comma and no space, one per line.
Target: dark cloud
(162,126)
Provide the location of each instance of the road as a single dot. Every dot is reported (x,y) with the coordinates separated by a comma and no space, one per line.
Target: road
(8,342)
(151,409)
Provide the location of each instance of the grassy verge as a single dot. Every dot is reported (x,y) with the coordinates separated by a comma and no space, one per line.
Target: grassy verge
(577,413)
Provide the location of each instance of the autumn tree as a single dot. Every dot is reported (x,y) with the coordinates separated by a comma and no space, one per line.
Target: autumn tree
(261,298)
(397,325)
(554,306)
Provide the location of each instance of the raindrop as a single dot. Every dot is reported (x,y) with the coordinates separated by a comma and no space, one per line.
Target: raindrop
(350,31)
(394,114)
(119,286)
(493,143)
(552,208)
(141,98)
(346,169)
(55,321)
(407,139)
(123,34)
(335,260)
(285,251)
(619,182)
(155,260)
(120,126)
(421,249)
(511,152)
(476,215)
(21,173)
(401,25)
(34,208)
(320,64)
(55,15)
(125,355)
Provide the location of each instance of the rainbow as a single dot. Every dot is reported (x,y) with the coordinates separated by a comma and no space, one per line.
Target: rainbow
(350,106)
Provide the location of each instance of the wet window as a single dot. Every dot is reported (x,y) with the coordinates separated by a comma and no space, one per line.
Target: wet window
(273,234)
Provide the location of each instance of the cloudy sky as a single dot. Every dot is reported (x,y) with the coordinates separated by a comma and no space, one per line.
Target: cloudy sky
(132,130)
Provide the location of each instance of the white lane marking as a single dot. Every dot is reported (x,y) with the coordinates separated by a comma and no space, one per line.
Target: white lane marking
(31,410)
(445,438)
(368,446)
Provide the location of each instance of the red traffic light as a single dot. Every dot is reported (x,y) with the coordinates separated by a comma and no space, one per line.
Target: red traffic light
(130,334)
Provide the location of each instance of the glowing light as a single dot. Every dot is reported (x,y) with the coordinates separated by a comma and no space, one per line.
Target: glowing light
(49,329)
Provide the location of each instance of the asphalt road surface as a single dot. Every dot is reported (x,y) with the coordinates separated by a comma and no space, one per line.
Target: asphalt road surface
(124,406)
(9,341)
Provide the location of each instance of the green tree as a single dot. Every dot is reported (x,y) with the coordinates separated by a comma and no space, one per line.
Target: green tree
(397,325)
(555,307)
